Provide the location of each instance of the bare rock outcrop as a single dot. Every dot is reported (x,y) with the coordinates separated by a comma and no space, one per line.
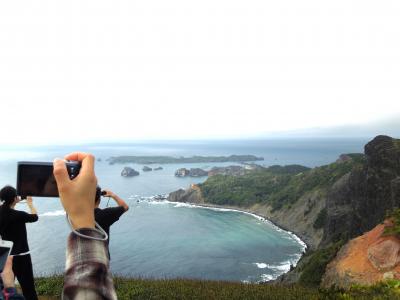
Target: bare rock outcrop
(191,195)
(365,260)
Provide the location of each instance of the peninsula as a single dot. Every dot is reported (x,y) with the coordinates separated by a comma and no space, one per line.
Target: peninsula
(146,160)
(342,206)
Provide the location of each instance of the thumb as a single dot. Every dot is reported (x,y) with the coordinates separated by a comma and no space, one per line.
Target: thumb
(61,174)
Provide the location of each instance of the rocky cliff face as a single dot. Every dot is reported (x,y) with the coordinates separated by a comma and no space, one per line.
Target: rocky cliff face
(191,195)
(365,260)
(360,199)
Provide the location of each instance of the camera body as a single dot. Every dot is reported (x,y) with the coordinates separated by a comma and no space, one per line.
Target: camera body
(37,179)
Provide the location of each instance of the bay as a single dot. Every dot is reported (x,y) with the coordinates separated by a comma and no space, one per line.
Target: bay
(169,240)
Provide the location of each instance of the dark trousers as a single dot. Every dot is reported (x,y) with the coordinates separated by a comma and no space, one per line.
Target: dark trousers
(22,268)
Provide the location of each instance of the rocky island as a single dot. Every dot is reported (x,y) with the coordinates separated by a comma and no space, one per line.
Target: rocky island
(147,169)
(178,160)
(129,172)
(327,207)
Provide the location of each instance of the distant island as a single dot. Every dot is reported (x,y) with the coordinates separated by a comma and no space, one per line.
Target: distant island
(145,160)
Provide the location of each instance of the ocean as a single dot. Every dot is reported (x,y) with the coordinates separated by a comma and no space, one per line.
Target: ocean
(159,239)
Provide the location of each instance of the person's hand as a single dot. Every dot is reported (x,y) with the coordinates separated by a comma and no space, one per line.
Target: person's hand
(8,275)
(77,195)
(29,201)
(109,193)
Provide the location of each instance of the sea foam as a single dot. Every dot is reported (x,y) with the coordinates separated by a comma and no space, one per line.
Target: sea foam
(55,213)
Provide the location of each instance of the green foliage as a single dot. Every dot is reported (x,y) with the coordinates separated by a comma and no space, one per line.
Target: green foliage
(289,169)
(385,290)
(321,219)
(397,143)
(254,187)
(128,288)
(49,286)
(313,271)
(395,229)
(277,186)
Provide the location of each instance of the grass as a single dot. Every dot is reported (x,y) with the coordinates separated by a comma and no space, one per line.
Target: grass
(187,289)
(312,272)
(199,289)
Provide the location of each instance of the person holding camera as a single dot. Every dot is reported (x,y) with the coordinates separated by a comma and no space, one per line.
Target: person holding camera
(87,272)
(13,228)
(109,215)
(7,285)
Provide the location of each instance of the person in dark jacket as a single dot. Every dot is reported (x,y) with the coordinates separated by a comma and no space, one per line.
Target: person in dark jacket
(107,216)
(13,228)
(7,285)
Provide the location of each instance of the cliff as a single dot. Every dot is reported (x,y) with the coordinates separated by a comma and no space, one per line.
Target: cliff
(365,260)
(325,206)
(192,195)
(359,201)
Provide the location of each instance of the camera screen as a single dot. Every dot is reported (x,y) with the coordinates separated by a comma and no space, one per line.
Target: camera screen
(3,257)
(36,180)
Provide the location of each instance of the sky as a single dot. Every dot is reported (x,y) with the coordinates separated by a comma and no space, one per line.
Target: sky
(77,71)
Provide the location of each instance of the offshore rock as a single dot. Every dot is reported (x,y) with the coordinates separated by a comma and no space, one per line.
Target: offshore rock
(182,172)
(129,172)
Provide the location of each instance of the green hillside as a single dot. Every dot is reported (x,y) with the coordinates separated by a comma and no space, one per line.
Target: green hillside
(277,186)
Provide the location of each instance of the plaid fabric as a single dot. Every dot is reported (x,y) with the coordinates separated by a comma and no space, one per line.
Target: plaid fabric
(87,274)
(11,294)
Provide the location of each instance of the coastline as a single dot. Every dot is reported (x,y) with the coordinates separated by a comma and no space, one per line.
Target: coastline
(247,212)
(262,218)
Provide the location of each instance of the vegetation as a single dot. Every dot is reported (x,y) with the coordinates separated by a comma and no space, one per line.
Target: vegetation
(397,143)
(389,290)
(277,186)
(198,289)
(177,160)
(395,229)
(289,169)
(321,219)
(314,269)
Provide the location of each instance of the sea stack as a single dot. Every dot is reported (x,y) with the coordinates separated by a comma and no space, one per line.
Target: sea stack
(129,172)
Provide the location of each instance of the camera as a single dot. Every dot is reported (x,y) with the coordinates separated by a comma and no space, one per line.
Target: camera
(37,179)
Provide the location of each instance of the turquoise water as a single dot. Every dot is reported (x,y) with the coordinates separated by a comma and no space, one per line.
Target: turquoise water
(169,240)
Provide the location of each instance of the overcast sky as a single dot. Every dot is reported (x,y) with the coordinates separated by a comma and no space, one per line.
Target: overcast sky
(73,71)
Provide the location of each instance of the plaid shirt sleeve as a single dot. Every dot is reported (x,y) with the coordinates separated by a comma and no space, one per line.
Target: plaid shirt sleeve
(87,274)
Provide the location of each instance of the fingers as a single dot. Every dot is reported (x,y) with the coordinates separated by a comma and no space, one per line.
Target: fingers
(86,159)
(60,173)
(78,156)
